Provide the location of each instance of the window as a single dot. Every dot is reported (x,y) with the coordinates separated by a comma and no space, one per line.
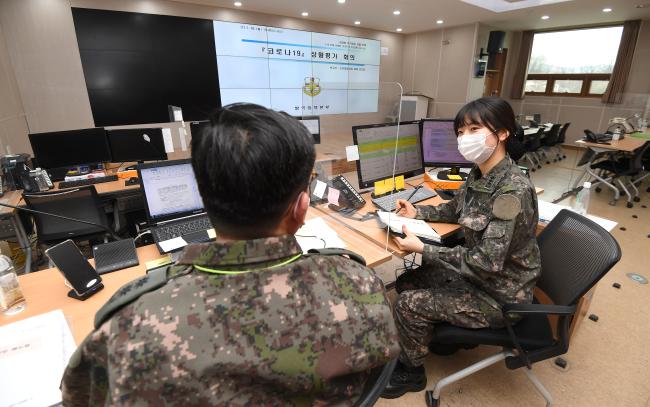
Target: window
(573,63)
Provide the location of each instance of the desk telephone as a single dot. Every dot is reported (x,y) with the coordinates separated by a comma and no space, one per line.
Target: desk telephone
(597,138)
(37,181)
(349,197)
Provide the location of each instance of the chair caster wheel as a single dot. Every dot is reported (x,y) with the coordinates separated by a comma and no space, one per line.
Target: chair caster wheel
(539,167)
(598,189)
(647,189)
(532,169)
(612,203)
(548,162)
(431,402)
(564,156)
(629,204)
(636,199)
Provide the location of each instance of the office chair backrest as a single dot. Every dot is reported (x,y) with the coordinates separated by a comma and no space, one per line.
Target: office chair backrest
(639,157)
(553,135)
(562,136)
(80,203)
(576,252)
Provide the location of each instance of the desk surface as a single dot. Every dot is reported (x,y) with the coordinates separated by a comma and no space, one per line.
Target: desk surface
(45,290)
(628,144)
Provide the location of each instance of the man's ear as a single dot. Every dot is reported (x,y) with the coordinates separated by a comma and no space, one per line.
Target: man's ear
(300,208)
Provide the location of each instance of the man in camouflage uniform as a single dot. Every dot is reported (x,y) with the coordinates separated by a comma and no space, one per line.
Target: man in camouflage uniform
(248,319)
(467,285)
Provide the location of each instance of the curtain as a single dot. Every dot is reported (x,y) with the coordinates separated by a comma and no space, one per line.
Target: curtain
(614,93)
(519,80)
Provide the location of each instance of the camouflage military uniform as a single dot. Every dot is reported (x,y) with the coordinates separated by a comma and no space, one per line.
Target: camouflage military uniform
(288,330)
(466,285)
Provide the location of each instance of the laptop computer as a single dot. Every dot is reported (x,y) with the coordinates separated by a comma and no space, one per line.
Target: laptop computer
(173,205)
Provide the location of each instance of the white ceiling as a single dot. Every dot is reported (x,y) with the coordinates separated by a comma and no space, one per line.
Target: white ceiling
(421,15)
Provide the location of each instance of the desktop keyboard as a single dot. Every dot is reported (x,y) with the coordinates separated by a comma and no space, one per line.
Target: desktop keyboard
(388,202)
(90,181)
(166,232)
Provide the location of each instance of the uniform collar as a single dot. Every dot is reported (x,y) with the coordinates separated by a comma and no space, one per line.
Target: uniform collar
(241,252)
(489,182)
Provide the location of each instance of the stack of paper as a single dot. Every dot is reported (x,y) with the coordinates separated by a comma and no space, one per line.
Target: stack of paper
(416,226)
(548,211)
(316,234)
(33,354)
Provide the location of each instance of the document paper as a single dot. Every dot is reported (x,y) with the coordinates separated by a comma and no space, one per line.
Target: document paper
(416,226)
(33,354)
(316,234)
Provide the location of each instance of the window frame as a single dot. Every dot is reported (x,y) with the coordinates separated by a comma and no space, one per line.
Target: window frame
(586,78)
(550,79)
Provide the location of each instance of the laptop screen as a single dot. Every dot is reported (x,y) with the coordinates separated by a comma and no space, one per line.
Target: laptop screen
(170,191)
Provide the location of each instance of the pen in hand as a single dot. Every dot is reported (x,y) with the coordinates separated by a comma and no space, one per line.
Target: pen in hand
(409,198)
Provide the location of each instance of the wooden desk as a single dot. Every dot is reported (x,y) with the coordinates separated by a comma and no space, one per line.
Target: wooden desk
(45,290)
(372,230)
(628,144)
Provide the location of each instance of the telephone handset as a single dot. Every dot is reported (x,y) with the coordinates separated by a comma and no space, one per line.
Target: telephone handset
(349,197)
(596,138)
(37,181)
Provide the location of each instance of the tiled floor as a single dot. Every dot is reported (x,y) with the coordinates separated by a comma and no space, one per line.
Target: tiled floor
(609,360)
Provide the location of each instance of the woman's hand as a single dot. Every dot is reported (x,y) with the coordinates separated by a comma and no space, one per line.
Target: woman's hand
(406,209)
(410,243)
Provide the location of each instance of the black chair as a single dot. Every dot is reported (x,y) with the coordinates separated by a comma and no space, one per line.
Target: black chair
(80,203)
(560,140)
(576,253)
(376,384)
(550,141)
(532,143)
(622,168)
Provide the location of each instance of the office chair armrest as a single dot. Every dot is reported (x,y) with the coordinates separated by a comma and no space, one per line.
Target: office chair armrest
(547,309)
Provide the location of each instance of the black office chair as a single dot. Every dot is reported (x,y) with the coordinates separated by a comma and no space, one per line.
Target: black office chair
(376,384)
(80,203)
(576,253)
(560,140)
(623,168)
(532,143)
(550,141)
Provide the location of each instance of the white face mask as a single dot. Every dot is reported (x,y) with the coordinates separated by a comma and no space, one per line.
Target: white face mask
(474,149)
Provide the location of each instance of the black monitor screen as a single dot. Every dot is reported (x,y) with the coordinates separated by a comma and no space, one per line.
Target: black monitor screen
(136,145)
(70,148)
(376,144)
(135,65)
(440,145)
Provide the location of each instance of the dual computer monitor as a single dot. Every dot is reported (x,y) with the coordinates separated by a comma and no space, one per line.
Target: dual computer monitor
(90,146)
(428,142)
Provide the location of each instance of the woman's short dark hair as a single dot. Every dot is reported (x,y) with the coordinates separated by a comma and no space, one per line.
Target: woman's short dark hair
(494,113)
(250,164)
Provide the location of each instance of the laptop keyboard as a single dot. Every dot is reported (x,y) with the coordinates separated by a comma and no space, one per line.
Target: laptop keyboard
(182,228)
(388,203)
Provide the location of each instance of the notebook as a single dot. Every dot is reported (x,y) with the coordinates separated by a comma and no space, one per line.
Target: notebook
(418,227)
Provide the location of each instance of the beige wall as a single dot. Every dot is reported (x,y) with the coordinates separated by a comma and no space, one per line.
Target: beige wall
(589,113)
(13,126)
(43,49)
(440,64)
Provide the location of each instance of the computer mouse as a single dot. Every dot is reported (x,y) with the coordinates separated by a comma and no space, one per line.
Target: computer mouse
(132,181)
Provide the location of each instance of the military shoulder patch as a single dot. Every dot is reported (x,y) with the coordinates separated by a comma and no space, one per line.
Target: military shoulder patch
(506,207)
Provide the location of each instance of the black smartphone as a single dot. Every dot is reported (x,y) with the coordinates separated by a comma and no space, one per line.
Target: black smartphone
(75,268)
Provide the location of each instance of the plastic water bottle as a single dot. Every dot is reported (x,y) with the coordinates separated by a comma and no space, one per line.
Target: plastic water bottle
(582,200)
(12,300)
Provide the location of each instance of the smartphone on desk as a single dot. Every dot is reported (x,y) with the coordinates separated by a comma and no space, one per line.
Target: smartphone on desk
(67,257)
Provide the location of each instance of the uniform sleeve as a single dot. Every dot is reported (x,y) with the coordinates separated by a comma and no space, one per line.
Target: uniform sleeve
(445,212)
(483,262)
(85,379)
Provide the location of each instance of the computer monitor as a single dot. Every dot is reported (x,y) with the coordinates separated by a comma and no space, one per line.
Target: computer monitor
(376,145)
(313,125)
(136,145)
(170,190)
(538,118)
(440,147)
(68,148)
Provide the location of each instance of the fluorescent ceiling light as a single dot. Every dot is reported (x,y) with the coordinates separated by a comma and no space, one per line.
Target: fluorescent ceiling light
(439,21)
(341,1)
(397,12)
(607,10)
(500,6)
(304,14)
(237,4)
(357,22)
(545,17)
(399,30)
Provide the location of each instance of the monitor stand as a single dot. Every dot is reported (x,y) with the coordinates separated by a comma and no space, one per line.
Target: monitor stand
(444,175)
